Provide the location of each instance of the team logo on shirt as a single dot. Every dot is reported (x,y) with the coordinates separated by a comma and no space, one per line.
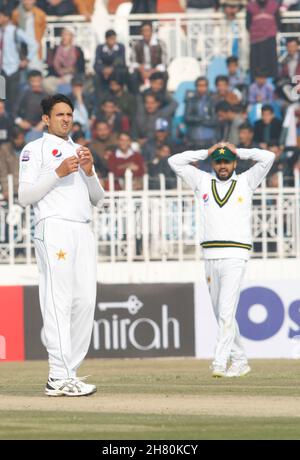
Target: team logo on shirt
(25,155)
(56,153)
(205,198)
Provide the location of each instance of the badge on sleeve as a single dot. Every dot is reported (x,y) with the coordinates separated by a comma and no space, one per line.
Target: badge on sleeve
(25,155)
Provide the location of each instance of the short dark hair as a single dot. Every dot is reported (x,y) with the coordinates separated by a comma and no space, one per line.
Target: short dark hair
(108,99)
(34,73)
(5,11)
(223,107)
(110,33)
(154,95)
(231,60)
(246,126)
(157,76)
(48,103)
(124,133)
(78,135)
(117,78)
(201,79)
(146,23)
(221,78)
(292,39)
(267,108)
(260,73)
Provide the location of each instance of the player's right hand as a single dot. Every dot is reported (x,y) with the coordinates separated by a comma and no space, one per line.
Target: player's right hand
(68,166)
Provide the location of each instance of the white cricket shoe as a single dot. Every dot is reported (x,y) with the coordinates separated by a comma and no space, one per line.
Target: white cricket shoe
(218,371)
(238,369)
(69,387)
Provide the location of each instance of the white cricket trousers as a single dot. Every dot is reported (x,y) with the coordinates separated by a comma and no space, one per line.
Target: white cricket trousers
(66,259)
(224,278)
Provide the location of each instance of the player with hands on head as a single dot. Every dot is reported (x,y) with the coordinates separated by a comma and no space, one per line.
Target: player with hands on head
(225,201)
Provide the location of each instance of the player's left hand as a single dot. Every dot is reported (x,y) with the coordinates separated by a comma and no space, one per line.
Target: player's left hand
(86,160)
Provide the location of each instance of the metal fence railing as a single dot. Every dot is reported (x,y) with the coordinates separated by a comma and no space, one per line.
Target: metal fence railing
(161,225)
(200,35)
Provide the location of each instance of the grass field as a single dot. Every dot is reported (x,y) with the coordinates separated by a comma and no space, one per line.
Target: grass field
(167,399)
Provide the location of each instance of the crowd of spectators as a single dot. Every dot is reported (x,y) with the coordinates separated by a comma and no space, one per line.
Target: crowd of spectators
(124,113)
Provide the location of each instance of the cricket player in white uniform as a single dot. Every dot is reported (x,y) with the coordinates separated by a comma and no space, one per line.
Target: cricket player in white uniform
(57,177)
(225,201)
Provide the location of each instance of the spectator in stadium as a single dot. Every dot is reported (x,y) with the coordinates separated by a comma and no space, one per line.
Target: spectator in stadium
(223,92)
(109,112)
(236,78)
(124,100)
(267,131)
(64,62)
(57,7)
(9,160)
(5,124)
(123,158)
(159,165)
(11,59)
(161,138)
(80,114)
(110,59)
(157,83)
(230,9)
(290,61)
(33,21)
(80,138)
(29,113)
(223,124)
(148,56)
(104,140)
(85,8)
(291,125)
(263,23)
(200,117)
(147,114)
(261,91)
(246,135)
(236,119)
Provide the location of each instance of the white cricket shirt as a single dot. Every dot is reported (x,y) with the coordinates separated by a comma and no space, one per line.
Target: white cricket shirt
(68,197)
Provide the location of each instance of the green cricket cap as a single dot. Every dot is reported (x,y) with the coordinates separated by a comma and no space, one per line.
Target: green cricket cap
(223,153)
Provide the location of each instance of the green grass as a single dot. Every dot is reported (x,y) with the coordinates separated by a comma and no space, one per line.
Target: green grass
(135,378)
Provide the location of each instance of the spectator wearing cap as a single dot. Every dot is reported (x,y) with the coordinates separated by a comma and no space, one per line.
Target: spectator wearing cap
(33,21)
(261,91)
(267,131)
(147,114)
(125,101)
(123,158)
(57,7)
(103,141)
(158,86)
(148,56)
(263,23)
(159,165)
(110,59)
(200,117)
(161,137)
(64,62)
(29,112)
(9,160)
(224,93)
(11,60)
